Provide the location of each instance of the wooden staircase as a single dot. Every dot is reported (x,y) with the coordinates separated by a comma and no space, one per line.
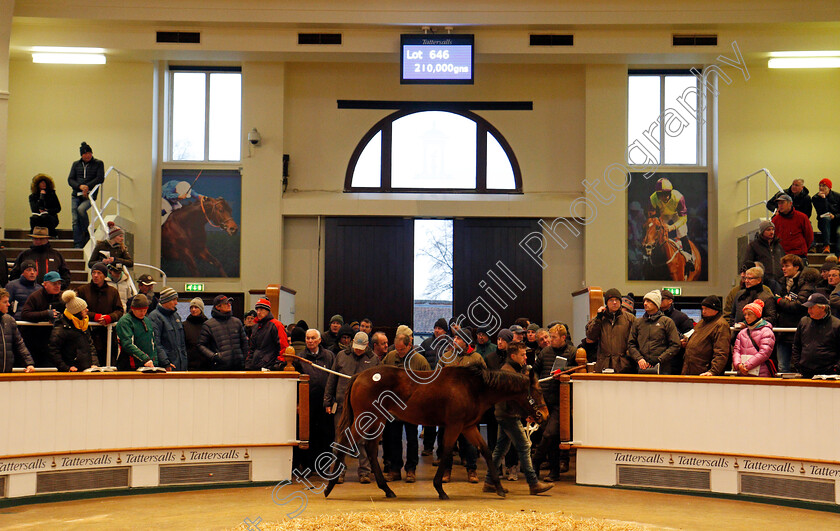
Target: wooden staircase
(18,240)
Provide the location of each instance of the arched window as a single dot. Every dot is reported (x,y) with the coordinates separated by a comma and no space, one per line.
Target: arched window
(433,151)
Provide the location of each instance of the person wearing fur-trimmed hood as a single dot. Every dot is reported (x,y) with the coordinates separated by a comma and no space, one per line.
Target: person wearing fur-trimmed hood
(44,204)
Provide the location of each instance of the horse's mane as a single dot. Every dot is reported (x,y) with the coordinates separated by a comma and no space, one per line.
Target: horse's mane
(503,381)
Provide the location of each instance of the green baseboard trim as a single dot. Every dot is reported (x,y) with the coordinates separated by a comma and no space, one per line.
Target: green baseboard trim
(798,504)
(107,493)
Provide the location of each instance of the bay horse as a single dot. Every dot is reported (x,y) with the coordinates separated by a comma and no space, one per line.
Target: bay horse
(183,235)
(454,398)
(662,251)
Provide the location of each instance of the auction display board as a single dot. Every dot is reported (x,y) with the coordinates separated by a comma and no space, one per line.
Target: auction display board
(62,432)
(742,436)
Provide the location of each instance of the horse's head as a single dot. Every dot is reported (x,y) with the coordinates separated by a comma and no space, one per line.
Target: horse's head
(655,235)
(534,403)
(223,215)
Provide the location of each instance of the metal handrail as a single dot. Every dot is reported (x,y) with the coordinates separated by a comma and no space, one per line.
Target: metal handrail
(768,178)
(97,210)
(110,328)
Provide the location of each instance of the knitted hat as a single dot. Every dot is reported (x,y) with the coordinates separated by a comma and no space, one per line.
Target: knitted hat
(756,307)
(533,326)
(72,303)
(303,324)
(298,334)
(764,225)
(629,302)
(826,182)
(99,266)
(713,303)
(168,294)
(655,297)
(612,293)
(198,303)
(85,148)
(466,334)
(441,323)
(264,304)
(505,335)
(354,324)
(26,264)
(337,318)
(360,341)
(114,230)
(139,301)
(52,276)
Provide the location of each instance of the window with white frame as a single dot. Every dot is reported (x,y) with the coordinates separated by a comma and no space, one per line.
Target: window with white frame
(666,115)
(205,114)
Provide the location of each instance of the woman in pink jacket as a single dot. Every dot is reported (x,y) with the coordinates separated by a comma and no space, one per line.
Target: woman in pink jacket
(754,344)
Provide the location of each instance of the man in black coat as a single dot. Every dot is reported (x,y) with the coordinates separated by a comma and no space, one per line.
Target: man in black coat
(223,342)
(320,424)
(85,174)
(45,257)
(767,249)
(816,345)
(800,196)
(681,320)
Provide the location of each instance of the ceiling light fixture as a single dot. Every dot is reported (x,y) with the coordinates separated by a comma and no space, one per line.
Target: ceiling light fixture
(66,49)
(69,58)
(804,62)
(823,53)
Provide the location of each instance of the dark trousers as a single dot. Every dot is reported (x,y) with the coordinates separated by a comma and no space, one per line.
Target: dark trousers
(548,446)
(429,434)
(468,452)
(392,446)
(489,419)
(321,435)
(44,220)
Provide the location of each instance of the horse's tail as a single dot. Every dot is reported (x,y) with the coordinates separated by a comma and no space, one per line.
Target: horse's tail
(347,416)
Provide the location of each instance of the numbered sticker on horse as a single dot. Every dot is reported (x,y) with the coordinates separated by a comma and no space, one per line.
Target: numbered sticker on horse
(376,377)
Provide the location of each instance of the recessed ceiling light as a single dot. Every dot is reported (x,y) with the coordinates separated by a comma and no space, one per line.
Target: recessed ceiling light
(804,62)
(69,58)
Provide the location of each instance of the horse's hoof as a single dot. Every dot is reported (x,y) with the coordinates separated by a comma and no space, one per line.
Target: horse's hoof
(328,489)
(390,494)
(443,496)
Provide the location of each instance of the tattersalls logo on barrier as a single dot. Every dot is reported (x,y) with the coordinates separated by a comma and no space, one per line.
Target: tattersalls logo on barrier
(116,459)
(728,462)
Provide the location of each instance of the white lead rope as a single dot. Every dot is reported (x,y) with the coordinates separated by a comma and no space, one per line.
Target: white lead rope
(288,355)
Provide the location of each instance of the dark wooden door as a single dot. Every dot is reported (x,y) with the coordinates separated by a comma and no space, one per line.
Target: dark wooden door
(489,263)
(369,270)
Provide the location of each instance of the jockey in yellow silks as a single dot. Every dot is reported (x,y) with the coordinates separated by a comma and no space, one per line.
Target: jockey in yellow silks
(671,210)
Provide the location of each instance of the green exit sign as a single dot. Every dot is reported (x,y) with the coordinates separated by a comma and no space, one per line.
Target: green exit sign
(676,292)
(193,286)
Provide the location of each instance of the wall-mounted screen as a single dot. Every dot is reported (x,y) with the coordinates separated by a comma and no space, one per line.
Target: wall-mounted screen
(436,59)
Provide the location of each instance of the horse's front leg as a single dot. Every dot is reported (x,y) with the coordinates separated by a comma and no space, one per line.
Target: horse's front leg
(372,448)
(450,435)
(208,257)
(474,436)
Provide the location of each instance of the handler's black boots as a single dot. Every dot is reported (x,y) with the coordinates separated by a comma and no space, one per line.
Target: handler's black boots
(539,487)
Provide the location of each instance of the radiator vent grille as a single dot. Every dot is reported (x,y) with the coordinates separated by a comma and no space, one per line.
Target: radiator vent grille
(319,38)
(204,473)
(87,479)
(665,478)
(552,40)
(179,37)
(3,486)
(695,40)
(818,490)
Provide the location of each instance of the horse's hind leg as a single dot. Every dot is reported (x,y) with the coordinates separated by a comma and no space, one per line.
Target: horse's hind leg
(337,469)
(474,436)
(372,448)
(208,257)
(450,435)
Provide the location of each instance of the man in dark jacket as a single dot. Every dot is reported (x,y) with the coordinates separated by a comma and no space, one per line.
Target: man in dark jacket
(350,361)
(653,337)
(681,321)
(268,340)
(104,303)
(793,228)
(511,430)
(85,174)
(20,289)
(192,333)
(330,335)
(816,345)
(432,349)
(610,329)
(344,338)
(767,249)
(790,306)
(45,257)
(45,305)
(146,286)
(548,445)
(753,290)
(223,342)
(707,349)
(799,194)
(169,331)
(13,345)
(827,205)
(320,423)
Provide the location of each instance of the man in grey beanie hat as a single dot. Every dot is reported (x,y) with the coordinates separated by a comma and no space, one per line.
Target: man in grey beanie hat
(766,249)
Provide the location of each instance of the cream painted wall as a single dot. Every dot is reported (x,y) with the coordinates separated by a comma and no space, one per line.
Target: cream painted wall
(53,108)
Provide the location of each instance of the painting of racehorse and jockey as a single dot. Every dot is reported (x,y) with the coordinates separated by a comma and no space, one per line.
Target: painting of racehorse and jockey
(200,223)
(668,227)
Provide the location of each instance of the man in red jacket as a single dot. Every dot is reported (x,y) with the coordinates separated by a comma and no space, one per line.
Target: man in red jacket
(793,228)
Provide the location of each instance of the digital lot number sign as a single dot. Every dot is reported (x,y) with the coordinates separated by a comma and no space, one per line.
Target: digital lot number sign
(436,59)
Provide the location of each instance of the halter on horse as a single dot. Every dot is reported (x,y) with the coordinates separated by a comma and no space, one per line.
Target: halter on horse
(217,212)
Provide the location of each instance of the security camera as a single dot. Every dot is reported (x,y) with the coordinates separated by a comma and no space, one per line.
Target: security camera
(254,137)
